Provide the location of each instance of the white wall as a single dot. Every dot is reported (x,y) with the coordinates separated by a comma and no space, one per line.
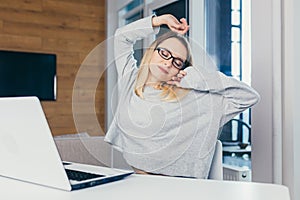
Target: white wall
(275,74)
(297,99)
(291,130)
(111,76)
(262,81)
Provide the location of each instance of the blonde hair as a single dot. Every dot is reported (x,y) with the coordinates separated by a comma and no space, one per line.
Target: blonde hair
(168,92)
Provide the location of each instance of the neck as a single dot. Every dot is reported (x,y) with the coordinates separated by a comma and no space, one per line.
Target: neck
(152,82)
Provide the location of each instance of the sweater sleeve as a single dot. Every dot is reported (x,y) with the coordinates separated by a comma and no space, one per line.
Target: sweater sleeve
(124,39)
(237,96)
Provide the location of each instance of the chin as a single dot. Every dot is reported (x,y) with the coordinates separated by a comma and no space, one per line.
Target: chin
(159,76)
(163,79)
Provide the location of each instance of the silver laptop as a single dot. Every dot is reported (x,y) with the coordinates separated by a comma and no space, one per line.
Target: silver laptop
(28,151)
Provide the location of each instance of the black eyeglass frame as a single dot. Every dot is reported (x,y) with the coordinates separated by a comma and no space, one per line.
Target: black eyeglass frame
(184,63)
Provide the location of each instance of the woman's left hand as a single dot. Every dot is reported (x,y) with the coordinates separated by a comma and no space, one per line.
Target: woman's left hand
(176,79)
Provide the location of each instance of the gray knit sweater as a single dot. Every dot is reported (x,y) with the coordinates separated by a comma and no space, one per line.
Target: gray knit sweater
(171,138)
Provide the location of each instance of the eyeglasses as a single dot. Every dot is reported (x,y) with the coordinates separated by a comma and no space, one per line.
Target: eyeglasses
(167,55)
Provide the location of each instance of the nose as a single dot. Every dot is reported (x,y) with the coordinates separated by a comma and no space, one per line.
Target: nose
(168,63)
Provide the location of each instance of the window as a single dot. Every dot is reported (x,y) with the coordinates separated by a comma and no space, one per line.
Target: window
(130,13)
(228,41)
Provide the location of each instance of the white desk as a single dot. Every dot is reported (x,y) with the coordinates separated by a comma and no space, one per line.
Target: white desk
(143,187)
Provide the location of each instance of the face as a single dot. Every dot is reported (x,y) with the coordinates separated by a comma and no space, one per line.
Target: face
(166,60)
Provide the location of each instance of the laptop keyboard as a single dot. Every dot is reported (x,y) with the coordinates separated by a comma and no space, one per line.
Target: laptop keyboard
(81,176)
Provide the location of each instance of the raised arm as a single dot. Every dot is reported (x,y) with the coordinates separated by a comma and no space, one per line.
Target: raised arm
(126,36)
(124,39)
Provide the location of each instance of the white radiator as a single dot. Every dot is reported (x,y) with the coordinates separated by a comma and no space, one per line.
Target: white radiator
(235,173)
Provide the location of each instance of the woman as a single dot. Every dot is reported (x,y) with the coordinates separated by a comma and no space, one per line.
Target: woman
(170,111)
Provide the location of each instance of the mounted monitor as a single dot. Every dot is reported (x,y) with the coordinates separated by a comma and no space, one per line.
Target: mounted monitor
(28,74)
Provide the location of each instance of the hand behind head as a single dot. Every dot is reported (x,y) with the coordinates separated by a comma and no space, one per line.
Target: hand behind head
(180,26)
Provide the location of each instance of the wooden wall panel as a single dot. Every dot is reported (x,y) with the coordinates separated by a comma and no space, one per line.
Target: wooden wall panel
(71,29)
(32,5)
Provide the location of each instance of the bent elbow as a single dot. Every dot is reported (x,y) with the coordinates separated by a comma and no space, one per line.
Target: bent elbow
(255,98)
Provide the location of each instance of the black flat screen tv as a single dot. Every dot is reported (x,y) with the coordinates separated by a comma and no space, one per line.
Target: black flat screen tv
(28,74)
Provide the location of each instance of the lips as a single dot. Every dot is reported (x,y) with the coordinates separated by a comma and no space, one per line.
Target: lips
(163,70)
